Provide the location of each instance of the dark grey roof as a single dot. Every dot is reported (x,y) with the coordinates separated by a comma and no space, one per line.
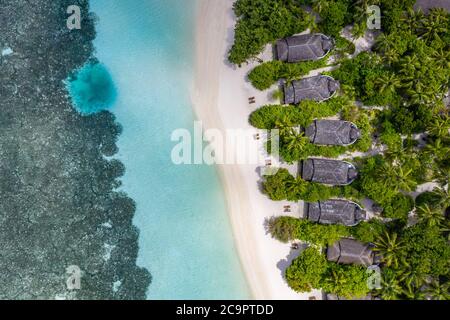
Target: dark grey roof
(426,5)
(327,171)
(303,47)
(317,88)
(332,132)
(335,212)
(349,251)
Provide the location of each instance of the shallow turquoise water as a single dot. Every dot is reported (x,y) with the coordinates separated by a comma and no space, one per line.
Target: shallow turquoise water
(186,240)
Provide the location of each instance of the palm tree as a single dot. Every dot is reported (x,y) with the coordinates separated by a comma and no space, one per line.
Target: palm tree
(440,127)
(390,247)
(383,43)
(410,276)
(419,97)
(438,291)
(430,216)
(396,154)
(296,186)
(388,82)
(414,18)
(296,141)
(397,178)
(444,197)
(435,24)
(442,58)
(390,286)
(284,125)
(413,293)
(437,149)
(410,64)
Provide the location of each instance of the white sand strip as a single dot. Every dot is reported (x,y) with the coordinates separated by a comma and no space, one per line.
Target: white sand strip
(220,97)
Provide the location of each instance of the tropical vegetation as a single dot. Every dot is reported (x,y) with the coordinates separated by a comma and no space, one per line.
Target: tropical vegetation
(395,94)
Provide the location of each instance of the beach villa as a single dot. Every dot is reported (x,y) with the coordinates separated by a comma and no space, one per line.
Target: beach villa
(303,47)
(317,88)
(333,132)
(328,171)
(335,211)
(349,251)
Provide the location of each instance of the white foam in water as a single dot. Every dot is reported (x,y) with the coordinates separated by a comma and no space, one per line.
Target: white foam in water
(7,51)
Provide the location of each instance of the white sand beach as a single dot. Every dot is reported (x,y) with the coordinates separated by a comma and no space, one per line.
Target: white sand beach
(220,97)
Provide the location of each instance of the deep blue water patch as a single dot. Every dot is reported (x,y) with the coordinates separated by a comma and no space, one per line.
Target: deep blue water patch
(92,89)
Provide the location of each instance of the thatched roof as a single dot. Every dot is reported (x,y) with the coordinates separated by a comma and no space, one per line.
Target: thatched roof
(303,47)
(333,132)
(426,5)
(317,88)
(349,251)
(335,212)
(327,171)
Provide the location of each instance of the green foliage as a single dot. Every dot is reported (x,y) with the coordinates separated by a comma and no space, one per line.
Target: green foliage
(361,77)
(266,117)
(348,281)
(334,15)
(278,187)
(408,73)
(368,231)
(265,75)
(263,21)
(427,198)
(399,207)
(307,271)
(343,46)
(275,186)
(426,250)
(409,119)
(382,182)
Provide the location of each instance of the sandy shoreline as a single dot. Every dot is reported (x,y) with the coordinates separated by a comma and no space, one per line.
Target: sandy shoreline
(220,98)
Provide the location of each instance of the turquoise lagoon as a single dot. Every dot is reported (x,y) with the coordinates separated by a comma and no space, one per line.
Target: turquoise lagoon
(185,237)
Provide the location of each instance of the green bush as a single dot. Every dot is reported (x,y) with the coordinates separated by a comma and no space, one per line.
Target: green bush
(349,281)
(399,207)
(287,229)
(368,231)
(265,75)
(307,271)
(266,117)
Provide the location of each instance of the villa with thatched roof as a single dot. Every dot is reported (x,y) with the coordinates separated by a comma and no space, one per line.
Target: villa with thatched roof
(426,5)
(317,88)
(335,211)
(328,171)
(333,132)
(303,47)
(349,251)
